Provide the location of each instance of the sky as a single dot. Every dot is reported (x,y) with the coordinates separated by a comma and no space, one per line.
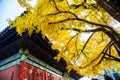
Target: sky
(9,9)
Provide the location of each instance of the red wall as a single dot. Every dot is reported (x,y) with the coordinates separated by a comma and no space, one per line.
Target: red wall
(11,73)
(30,72)
(26,71)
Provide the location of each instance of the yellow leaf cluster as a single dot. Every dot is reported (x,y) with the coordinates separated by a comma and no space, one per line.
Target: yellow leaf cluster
(53,19)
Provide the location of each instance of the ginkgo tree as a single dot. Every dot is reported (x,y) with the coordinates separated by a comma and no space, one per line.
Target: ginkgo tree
(66,24)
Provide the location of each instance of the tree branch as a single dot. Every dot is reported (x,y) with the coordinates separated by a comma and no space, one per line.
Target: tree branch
(56,6)
(89,30)
(105,49)
(63,12)
(87,42)
(104,28)
(69,41)
(78,19)
(117,49)
(114,58)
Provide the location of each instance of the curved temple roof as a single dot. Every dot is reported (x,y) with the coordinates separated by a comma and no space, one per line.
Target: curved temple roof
(11,43)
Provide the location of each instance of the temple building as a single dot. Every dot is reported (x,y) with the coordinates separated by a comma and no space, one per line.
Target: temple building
(30,58)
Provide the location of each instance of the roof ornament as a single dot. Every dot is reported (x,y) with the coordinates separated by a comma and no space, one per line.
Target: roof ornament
(23,54)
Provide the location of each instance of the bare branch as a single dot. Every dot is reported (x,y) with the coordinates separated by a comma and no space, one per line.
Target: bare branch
(76,44)
(69,41)
(112,37)
(108,58)
(64,12)
(104,51)
(91,62)
(101,59)
(106,47)
(78,19)
(114,58)
(89,30)
(56,6)
(117,49)
(87,42)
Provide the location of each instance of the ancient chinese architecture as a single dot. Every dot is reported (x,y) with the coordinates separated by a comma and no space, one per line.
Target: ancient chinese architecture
(29,58)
